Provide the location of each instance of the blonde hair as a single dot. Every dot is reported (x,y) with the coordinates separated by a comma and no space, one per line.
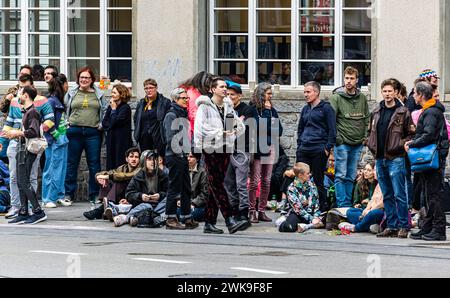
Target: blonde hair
(301,168)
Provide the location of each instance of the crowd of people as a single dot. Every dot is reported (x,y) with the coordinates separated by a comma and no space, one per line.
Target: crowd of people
(205,150)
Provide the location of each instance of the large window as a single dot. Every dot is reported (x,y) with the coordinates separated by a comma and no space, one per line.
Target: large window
(290,42)
(68,34)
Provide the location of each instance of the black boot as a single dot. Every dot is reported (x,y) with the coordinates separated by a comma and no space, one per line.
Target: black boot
(243,216)
(435,236)
(211,229)
(95,214)
(233,225)
(418,235)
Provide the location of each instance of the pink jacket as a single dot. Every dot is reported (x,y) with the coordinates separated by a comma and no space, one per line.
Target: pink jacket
(416,116)
(193,94)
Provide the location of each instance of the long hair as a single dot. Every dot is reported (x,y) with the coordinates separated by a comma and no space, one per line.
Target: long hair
(201,81)
(56,87)
(259,95)
(364,184)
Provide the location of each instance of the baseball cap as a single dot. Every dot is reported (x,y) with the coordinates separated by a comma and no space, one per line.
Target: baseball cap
(234,86)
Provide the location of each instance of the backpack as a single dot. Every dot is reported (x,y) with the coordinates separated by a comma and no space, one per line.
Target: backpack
(149,219)
(334,218)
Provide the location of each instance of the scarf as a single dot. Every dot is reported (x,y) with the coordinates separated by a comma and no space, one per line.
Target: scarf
(429,104)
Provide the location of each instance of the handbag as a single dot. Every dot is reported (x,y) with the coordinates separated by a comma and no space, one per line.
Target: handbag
(37,145)
(425,158)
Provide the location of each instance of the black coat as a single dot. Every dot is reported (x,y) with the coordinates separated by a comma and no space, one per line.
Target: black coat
(176,113)
(162,109)
(431,124)
(117,125)
(139,186)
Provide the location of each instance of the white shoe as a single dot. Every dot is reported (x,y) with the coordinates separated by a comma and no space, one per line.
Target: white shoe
(347,227)
(12,213)
(64,202)
(50,205)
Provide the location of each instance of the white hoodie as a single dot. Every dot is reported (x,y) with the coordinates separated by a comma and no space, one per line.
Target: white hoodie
(209,128)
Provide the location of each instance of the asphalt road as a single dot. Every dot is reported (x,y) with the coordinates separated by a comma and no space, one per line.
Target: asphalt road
(69,246)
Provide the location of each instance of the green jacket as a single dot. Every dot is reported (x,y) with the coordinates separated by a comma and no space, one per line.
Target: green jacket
(352,117)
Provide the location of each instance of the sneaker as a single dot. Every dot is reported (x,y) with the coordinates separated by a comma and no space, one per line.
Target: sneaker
(50,205)
(66,202)
(302,228)
(12,213)
(134,221)
(388,233)
(36,218)
(120,220)
(348,227)
(375,229)
(109,214)
(19,219)
(94,214)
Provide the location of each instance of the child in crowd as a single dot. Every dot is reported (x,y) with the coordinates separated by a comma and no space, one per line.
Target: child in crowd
(303,198)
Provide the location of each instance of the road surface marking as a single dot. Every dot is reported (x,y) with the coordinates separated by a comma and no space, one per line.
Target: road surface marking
(161,261)
(52,227)
(57,253)
(259,270)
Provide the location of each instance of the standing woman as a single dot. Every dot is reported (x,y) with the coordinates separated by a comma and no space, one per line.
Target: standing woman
(117,124)
(261,169)
(86,108)
(53,191)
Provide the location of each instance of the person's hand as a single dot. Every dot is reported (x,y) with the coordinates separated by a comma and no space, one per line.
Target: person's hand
(289,174)
(366,201)
(113,105)
(146,198)
(358,206)
(13,134)
(178,204)
(407,145)
(316,221)
(155,197)
(1,147)
(228,133)
(9,97)
(327,153)
(123,202)
(102,182)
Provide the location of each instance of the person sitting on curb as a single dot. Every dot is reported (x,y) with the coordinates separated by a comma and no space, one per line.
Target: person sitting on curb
(146,191)
(114,183)
(304,200)
(369,219)
(199,187)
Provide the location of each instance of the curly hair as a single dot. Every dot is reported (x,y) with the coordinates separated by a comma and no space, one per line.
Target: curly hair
(259,95)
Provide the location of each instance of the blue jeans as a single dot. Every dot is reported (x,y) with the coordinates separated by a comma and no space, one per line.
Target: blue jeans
(374,217)
(198,214)
(83,139)
(347,158)
(392,180)
(55,168)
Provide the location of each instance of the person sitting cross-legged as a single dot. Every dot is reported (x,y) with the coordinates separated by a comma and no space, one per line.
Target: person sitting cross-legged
(146,191)
(304,200)
(114,183)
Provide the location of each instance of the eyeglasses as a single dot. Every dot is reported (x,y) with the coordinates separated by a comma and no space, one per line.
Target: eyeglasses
(85,78)
(185,98)
(149,88)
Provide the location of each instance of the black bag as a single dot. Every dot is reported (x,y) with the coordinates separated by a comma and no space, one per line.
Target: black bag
(149,219)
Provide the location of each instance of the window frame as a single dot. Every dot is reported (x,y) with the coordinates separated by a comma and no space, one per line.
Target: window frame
(64,8)
(295,35)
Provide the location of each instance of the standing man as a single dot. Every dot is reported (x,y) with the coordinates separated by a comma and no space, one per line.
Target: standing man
(352,119)
(316,137)
(238,169)
(391,127)
(149,118)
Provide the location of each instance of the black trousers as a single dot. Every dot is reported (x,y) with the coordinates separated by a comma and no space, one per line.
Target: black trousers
(27,194)
(291,223)
(432,187)
(318,163)
(179,187)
